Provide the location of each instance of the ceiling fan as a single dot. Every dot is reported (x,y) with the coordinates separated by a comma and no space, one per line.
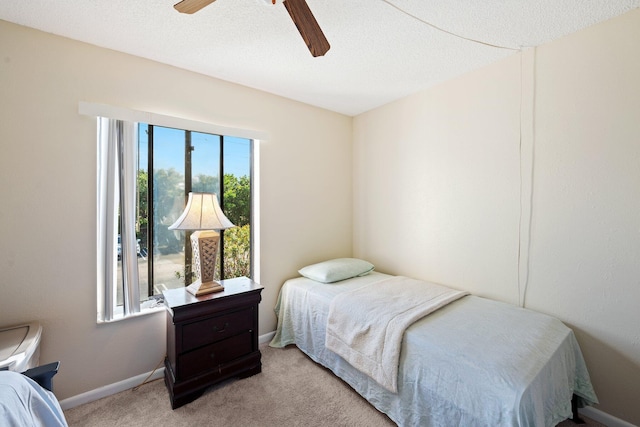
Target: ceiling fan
(300,15)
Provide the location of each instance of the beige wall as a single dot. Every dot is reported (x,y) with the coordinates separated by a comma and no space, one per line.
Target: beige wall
(48,199)
(437,190)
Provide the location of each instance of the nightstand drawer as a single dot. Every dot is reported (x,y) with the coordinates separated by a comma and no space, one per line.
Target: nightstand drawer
(217,328)
(212,356)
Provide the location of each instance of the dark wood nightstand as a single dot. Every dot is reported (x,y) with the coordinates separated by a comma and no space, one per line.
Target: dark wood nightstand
(211,338)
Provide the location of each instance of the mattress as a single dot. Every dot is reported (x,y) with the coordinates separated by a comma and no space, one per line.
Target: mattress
(474,362)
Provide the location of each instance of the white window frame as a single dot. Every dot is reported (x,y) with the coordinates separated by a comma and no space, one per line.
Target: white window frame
(107,309)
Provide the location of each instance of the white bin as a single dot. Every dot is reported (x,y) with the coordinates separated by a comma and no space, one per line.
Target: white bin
(20,346)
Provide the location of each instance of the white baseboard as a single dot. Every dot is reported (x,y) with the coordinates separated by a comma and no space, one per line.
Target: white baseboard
(108,390)
(123,385)
(266,337)
(604,418)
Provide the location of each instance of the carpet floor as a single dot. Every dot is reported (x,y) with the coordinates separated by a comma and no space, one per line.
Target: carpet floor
(292,390)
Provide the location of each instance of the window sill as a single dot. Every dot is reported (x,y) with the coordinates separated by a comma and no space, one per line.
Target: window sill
(148,307)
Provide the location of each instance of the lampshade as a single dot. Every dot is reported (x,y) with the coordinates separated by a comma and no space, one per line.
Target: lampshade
(202,213)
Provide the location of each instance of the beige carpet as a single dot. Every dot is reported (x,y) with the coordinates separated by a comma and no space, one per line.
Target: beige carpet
(292,390)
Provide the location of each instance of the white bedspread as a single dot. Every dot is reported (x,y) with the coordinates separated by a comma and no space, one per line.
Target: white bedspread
(24,403)
(365,325)
(474,362)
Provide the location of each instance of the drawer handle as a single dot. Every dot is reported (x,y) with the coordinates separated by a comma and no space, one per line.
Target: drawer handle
(212,355)
(224,328)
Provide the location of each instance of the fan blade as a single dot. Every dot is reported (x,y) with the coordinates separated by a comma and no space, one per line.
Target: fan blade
(191,6)
(307,26)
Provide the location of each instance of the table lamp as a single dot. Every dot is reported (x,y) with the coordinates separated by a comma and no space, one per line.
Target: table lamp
(204,216)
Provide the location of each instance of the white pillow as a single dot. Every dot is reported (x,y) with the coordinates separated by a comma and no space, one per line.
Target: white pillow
(336,269)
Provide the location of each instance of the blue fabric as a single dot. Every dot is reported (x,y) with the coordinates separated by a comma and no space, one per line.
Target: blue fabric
(24,403)
(474,362)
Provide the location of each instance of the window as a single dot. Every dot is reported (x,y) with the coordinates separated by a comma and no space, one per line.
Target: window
(145,174)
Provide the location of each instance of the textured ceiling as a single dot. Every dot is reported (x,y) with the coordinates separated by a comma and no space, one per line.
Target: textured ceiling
(379,53)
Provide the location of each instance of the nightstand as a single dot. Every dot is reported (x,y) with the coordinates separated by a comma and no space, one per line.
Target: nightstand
(210,338)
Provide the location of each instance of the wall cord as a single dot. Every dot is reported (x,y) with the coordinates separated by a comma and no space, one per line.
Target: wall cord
(146,380)
(449,32)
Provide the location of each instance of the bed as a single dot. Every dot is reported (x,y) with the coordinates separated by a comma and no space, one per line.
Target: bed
(471,362)
(26,398)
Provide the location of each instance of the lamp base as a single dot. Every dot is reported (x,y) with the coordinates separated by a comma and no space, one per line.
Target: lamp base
(198,288)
